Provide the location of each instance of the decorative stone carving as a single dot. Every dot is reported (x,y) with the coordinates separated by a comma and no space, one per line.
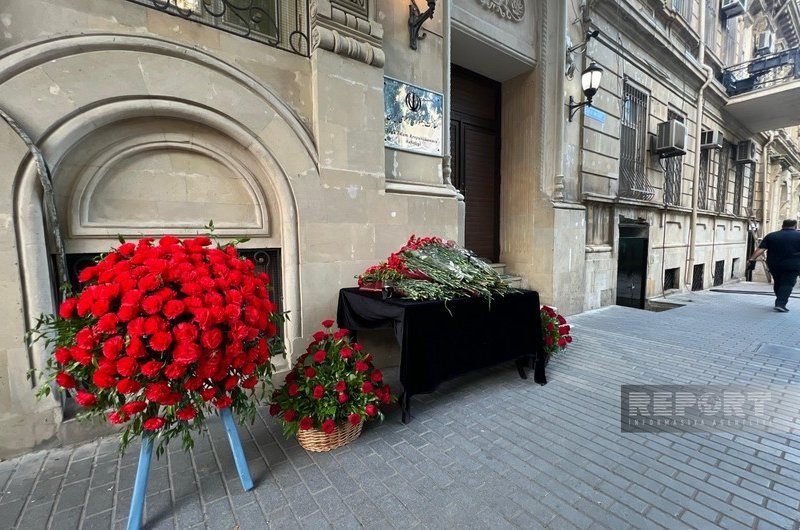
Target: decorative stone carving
(359,7)
(513,10)
(344,27)
(332,40)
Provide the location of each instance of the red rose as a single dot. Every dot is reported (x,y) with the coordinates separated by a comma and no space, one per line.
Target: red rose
(371,410)
(127,312)
(376,376)
(128,386)
(152,304)
(186,413)
(319,356)
(341,386)
(231,382)
(126,249)
(367,387)
(306,423)
(251,315)
(548,340)
(136,327)
(100,307)
(149,283)
(151,368)
(357,346)
(186,353)
(161,341)
(65,380)
(117,418)
(208,394)
(62,355)
(154,424)
(354,419)
(327,323)
(361,366)
(292,389)
(563,330)
(89,273)
(562,342)
(343,398)
(67,308)
(561,320)
(310,372)
(346,353)
(192,384)
(250,382)
(274,409)
(289,415)
(127,366)
(156,392)
(108,323)
(175,370)
(154,324)
(342,333)
(319,335)
(318,392)
(568,338)
(550,326)
(85,399)
(134,407)
(328,426)
(211,338)
(112,346)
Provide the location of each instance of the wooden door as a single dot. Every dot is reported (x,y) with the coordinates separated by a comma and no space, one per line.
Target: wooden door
(475,147)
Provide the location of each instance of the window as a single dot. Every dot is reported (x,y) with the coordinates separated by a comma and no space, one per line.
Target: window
(671,278)
(738,188)
(697,276)
(702,190)
(719,272)
(725,156)
(750,185)
(730,41)
(633,133)
(684,9)
(711,25)
(673,171)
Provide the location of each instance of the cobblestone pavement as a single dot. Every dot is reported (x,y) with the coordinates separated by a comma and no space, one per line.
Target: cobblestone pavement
(487,450)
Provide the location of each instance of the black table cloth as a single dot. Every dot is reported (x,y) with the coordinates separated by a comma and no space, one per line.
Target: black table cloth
(440,340)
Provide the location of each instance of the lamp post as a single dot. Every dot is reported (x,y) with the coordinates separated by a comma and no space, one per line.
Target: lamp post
(590,83)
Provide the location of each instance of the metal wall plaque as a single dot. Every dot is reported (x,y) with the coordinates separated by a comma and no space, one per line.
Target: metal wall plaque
(413,118)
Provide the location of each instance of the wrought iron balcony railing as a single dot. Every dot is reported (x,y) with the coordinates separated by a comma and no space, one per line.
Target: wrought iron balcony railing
(762,72)
(279,23)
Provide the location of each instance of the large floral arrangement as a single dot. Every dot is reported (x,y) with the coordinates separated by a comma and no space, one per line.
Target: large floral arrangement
(333,382)
(555,331)
(160,335)
(431,268)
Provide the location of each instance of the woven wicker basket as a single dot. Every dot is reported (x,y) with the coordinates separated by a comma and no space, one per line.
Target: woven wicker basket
(317,441)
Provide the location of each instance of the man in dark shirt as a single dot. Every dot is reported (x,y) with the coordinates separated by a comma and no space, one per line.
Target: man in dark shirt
(783,260)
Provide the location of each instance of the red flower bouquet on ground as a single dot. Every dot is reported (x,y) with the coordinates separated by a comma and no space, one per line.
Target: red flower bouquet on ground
(555,331)
(332,388)
(162,335)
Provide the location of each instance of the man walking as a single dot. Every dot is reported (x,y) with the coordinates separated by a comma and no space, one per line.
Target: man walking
(783,260)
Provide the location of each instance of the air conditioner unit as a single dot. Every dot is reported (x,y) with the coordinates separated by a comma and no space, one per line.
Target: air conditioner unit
(746,152)
(671,139)
(765,43)
(733,8)
(710,139)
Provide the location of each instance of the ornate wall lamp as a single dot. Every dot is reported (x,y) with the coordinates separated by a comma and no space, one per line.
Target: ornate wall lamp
(590,82)
(416,19)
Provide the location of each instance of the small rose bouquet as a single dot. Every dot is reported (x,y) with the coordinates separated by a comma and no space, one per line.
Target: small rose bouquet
(555,331)
(161,335)
(332,383)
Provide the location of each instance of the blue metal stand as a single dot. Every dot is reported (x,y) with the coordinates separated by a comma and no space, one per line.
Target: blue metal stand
(236,449)
(140,486)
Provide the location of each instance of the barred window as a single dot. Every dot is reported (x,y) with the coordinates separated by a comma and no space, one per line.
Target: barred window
(738,188)
(673,171)
(633,134)
(702,189)
(749,178)
(725,156)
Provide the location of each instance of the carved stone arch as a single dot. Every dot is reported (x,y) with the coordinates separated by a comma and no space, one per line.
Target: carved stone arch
(274,145)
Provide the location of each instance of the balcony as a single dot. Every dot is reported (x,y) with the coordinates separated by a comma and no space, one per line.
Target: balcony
(278,23)
(765,92)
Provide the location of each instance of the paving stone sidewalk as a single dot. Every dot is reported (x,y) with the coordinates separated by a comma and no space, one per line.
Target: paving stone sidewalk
(485,451)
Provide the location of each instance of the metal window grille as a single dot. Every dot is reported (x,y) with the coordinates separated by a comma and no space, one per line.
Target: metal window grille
(279,23)
(697,277)
(738,188)
(719,272)
(673,171)
(750,183)
(671,277)
(633,133)
(725,156)
(702,190)
(684,9)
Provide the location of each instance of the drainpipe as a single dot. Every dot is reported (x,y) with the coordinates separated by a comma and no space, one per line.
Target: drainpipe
(765,179)
(50,214)
(701,55)
(447,162)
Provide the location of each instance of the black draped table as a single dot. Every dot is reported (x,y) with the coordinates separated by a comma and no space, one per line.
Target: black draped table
(439,340)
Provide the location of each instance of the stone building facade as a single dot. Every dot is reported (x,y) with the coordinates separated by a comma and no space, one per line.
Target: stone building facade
(153,121)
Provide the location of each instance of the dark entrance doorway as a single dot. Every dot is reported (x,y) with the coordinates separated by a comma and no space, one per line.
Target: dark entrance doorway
(632,264)
(475,148)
